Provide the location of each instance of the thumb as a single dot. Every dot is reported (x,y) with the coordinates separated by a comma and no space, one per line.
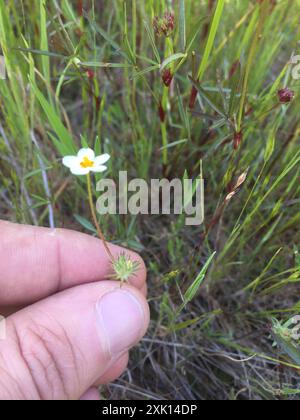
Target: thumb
(59,347)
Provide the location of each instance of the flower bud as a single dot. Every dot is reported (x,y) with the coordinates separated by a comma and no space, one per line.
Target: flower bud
(167,77)
(164,26)
(286,95)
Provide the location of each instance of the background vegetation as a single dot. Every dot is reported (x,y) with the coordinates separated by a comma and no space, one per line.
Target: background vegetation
(96,73)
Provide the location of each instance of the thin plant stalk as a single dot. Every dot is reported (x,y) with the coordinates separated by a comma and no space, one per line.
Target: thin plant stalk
(97,226)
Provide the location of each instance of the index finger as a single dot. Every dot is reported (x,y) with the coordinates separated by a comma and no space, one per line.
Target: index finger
(37,262)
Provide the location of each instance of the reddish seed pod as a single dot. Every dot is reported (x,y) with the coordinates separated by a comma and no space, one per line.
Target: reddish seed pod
(237,140)
(234,69)
(161,113)
(167,77)
(90,74)
(193,97)
(80,7)
(229,187)
(169,17)
(286,95)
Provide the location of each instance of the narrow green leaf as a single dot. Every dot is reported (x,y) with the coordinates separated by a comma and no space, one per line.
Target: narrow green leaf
(195,32)
(152,41)
(40,52)
(211,38)
(41,200)
(100,64)
(107,38)
(44,42)
(270,146)
(290,391)
(291,350)
(172,58)
(208,98)
(174,144)
(182,28)
(35,172)
(62,149)
(85,223)
(147,60)
(185,324)
(235,87)
(194,287)
(62,133)
(146,70)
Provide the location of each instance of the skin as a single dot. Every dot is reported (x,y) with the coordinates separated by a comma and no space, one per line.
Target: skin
(57,345)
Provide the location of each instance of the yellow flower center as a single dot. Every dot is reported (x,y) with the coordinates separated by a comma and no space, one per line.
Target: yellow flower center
(86,163)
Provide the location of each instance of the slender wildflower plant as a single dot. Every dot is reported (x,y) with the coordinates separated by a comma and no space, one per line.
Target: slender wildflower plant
(83,164)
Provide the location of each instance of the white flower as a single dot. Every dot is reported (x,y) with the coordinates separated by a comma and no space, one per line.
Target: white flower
(86,162)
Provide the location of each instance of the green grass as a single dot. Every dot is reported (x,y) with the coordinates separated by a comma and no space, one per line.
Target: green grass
(213,289)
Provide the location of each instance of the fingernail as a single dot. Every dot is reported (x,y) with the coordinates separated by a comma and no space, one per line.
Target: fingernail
(121,319)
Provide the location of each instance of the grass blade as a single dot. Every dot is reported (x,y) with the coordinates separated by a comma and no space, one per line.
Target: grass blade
(152,41)
(66,144)
(195,286)
(182,26)
(171,59)
(211,38)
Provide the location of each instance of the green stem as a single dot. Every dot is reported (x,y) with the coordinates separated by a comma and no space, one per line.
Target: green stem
(97,226)
(253,50)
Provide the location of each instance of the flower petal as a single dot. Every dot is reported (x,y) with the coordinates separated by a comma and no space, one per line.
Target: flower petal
(99,168)
(100,160)
(89,153)
(70,161)
(79,170)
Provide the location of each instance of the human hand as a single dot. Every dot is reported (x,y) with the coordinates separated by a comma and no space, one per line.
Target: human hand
(68,328)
